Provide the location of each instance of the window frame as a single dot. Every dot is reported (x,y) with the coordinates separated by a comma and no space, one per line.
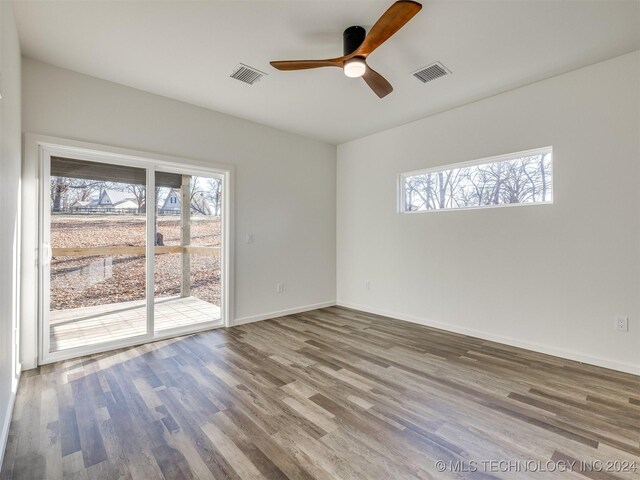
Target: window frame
(401,179)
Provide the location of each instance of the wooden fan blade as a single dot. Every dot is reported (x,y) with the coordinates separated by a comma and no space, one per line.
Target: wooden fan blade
(389,23)
(306,64)
(377,82)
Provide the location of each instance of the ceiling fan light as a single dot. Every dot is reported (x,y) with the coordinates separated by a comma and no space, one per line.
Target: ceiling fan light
(355,67)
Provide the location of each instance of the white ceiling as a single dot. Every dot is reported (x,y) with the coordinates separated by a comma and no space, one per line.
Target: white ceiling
(187,50)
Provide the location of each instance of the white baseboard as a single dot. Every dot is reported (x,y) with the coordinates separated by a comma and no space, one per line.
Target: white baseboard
(6,421)
(282,313)
(576,356)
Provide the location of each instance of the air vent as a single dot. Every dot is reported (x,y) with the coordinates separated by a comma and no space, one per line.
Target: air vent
(431,72)
(247,74)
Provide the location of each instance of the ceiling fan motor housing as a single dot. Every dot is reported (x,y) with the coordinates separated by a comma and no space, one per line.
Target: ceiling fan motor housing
(352,38)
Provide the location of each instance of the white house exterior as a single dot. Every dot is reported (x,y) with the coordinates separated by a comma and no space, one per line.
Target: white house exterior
(109,200)
(199,204)
(171,204)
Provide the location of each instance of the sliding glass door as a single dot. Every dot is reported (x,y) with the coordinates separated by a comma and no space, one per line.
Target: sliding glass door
(128,254)
(188,233)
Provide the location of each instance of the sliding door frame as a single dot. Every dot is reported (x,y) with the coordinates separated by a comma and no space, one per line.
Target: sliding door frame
(47,147)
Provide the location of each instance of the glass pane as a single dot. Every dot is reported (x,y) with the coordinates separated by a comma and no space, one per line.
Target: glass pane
(519,180)
(187,261)
(98,241)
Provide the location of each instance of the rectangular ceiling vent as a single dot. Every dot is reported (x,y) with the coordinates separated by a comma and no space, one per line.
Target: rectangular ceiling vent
(247,74)
(431,72)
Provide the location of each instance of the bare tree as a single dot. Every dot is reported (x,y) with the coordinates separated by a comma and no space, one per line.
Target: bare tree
(521,180)
(140,192)
(215,194)
(65,191)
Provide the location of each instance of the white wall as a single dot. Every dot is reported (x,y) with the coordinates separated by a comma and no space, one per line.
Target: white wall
(284,183)
(550,278)
(10,154)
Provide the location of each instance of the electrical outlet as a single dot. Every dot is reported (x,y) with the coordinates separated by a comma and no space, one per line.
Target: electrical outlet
(367,285)
(279,287)
(622,323)
(249,238)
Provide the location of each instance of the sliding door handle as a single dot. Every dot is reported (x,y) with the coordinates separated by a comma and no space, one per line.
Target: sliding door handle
(46,254)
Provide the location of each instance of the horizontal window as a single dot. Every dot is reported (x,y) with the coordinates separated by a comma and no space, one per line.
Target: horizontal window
(515,179)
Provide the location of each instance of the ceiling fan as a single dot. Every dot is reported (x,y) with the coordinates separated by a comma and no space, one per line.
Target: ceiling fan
(358,45)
